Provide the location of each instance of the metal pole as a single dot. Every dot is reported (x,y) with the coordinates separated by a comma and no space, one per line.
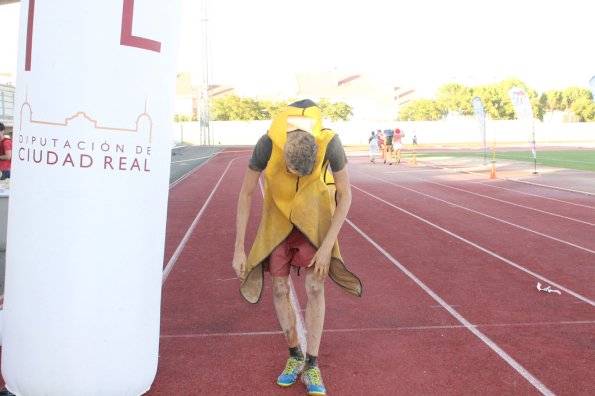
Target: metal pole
(205,133)
(534,148)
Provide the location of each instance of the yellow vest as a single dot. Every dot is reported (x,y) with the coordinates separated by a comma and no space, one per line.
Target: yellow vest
(306,202)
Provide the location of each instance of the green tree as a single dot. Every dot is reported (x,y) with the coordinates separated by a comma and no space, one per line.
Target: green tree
(272,109)
(423,110)
(572,95)
(340,111)
(455,98)
(491,96)
(236,108)
(552,101)
(584,109)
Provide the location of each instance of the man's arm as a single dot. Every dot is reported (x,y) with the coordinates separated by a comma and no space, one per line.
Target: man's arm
(244,205)
(322,259)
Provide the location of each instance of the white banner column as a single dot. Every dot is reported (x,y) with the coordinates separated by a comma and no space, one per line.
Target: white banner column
(88,202)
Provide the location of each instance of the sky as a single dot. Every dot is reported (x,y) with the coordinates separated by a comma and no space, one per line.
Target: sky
(259,45)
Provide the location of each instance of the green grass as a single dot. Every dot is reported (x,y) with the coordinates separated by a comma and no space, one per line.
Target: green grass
(572,159)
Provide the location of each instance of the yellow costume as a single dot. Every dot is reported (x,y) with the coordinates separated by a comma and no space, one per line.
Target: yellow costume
(306,202)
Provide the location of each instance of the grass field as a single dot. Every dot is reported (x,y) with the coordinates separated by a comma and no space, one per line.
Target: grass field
(572,159)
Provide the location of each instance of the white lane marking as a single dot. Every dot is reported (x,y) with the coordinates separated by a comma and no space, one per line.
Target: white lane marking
(182,245)
(488,216)
(485,250)
(534,195)
(485,339)
(444,167)
(175,183)
(508,202)
(194,159)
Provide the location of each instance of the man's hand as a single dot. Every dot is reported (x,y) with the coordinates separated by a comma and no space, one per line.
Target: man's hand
(239,264)
(321,262)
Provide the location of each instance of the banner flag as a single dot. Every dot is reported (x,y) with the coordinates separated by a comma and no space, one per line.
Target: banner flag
(481,118)
(521,102)
(592,83)
(524,110)
(88,196)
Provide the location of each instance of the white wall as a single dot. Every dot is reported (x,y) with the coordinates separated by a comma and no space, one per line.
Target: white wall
(428,132)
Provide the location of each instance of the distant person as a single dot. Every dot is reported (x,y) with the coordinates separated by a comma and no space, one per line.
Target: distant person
(304,208)
(373,141)
(388,146)
(398,143)
(414,138)
(380,142)
(5,153)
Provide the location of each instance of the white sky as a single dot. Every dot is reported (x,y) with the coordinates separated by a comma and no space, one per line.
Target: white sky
(258,45)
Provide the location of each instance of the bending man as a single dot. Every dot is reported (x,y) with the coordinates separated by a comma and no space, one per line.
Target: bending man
(299,227)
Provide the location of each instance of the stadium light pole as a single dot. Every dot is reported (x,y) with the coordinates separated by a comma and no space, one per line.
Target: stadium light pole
(205,133)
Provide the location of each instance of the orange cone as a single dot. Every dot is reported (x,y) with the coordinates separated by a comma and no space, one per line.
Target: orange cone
(493,172)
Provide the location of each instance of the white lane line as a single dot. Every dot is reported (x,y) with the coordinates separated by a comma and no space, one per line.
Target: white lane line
(485,339)
(194,159)
(175,183)
(470,172)
(551,186)
(488,216)
(380,329)
(295,304)
(485,250)
(507,202)
(182,245)
(534,195)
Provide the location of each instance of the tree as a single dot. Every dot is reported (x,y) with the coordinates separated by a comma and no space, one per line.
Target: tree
(456,98)
(584,109)
(552,101)
(492,99)
(423,110)
(335,111)
(235,108)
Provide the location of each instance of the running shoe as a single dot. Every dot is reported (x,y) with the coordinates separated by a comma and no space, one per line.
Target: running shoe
(313,381)
(293,368)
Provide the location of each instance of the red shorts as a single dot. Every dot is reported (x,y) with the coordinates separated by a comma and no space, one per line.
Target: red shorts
(295,250)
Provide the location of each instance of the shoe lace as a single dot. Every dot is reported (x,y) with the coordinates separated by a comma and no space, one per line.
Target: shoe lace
(291,366)
(314,376)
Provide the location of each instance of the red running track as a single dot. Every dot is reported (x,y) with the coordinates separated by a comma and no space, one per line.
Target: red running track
(449,264)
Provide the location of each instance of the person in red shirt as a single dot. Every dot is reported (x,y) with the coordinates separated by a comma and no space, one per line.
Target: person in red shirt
(398,143)
(5,153)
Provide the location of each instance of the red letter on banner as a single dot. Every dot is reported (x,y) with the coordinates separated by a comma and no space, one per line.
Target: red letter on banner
(29,35)
(127,38)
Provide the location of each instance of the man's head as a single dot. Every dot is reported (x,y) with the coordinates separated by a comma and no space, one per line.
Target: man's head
(2,128)
(300,152)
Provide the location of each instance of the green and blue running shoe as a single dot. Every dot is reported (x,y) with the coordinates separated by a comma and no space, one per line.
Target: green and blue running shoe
(313,381)
(293,368)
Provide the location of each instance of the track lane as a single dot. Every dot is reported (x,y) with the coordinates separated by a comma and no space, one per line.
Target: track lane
(516,244)
(483,285)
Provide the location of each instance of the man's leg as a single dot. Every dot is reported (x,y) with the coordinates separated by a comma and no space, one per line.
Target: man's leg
(284,310)
(288,322)
(315,311)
